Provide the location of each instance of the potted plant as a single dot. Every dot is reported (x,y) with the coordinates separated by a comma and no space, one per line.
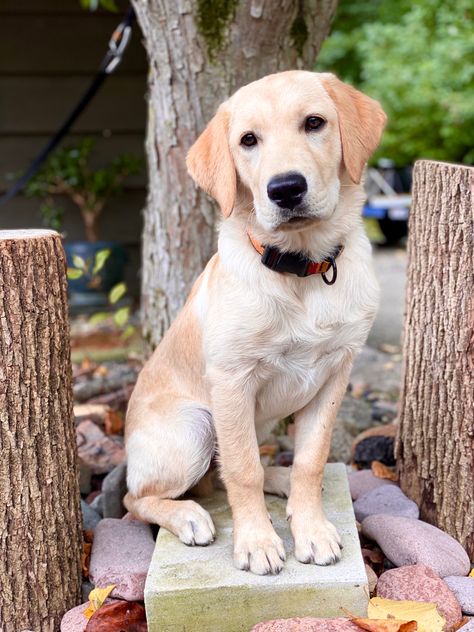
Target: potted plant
(68,173)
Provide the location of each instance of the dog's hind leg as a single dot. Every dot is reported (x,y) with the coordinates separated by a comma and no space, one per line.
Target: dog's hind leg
(166,456)
(277,480)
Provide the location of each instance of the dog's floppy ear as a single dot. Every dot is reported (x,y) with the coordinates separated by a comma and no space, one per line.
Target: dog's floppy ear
(361,123)
(210,162)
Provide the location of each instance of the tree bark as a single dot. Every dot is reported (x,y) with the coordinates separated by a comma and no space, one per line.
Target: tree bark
(40,529)
(435,446)
(199,53)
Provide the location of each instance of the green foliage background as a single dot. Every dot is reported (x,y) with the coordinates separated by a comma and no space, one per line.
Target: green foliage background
(417,59)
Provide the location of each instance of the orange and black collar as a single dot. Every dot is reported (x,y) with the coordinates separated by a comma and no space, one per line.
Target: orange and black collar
(296,262)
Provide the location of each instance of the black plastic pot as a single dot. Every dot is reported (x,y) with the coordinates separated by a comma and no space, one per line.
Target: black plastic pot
(91,290)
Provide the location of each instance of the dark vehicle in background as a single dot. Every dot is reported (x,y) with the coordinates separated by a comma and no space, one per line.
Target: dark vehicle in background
(388,198)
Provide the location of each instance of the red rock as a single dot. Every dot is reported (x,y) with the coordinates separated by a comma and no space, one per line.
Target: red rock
(406,541)
(364,481)
(306,624)
(121,555)
(420,583)
(98,451)
(74,620)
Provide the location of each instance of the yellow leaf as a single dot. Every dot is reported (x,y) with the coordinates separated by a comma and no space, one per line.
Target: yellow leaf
(425,614)
(96,599)
(471,574)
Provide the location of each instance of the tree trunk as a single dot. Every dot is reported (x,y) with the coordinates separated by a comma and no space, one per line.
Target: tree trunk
(40,532)
(435,445)
(199,53)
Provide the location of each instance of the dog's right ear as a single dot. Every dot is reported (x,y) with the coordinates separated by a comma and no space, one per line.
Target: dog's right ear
(210,162)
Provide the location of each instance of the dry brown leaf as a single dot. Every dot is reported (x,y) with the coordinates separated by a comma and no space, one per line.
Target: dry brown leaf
(101,371)
(373,555)
(385,625)
(88,538)
(268,449)
(86,364)
(118,616)
(382,471)
(461,624)
(381,625)
(113,423)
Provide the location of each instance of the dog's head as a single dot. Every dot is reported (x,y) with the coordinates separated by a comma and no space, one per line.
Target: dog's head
(282,144)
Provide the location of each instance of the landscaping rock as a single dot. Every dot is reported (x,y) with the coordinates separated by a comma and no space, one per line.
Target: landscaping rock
(385,430)
(378,448)
(99,451)
(420,583)
(98,504)
(121,555)
(285,459)
(406,541)
(387,499)
(463,588)
(354,415)
(90,517)
(384,411)
(85,476)
(74,620)
(379,370)
(306,624)
(114,488)
(341,442)
(198,588)
(363,481)
(86,588)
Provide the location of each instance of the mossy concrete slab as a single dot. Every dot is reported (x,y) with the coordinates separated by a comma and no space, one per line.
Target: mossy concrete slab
(196,589)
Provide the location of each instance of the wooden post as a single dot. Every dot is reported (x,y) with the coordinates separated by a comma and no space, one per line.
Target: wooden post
(435,445)
(40,524)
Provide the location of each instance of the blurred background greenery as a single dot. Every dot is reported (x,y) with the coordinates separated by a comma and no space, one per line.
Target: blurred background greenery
(417,59)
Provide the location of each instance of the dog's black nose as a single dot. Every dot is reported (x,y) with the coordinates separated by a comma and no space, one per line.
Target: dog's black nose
(287,190)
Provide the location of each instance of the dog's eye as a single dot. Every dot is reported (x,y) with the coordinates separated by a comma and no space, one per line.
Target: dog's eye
(248,140)
(314,123)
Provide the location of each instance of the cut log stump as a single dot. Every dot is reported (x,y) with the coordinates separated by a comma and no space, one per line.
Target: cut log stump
(435,445)
(40,528)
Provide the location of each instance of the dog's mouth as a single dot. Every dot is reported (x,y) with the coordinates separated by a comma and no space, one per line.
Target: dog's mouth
(297,221)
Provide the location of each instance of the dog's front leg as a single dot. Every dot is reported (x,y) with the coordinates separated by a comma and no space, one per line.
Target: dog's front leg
(256,545)
(316,539)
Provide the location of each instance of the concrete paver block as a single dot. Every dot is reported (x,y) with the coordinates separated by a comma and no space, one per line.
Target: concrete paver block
(193,589)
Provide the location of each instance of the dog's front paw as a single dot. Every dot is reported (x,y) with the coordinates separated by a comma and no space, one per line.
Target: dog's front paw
(259,551)
(192,524)
(316,542)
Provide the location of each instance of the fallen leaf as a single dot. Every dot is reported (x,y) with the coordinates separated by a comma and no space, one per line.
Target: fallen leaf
(382,471)
(471,574)
(268,449)
(101,371)
(385,625)
(118,616)
(97,596)
(461,624)
(88,537)
(113,423)
(426,615)
(375,556)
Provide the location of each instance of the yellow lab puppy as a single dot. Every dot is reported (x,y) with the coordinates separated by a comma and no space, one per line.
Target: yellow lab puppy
(272,324)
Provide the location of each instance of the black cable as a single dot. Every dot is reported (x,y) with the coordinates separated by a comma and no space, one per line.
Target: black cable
(117,45)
